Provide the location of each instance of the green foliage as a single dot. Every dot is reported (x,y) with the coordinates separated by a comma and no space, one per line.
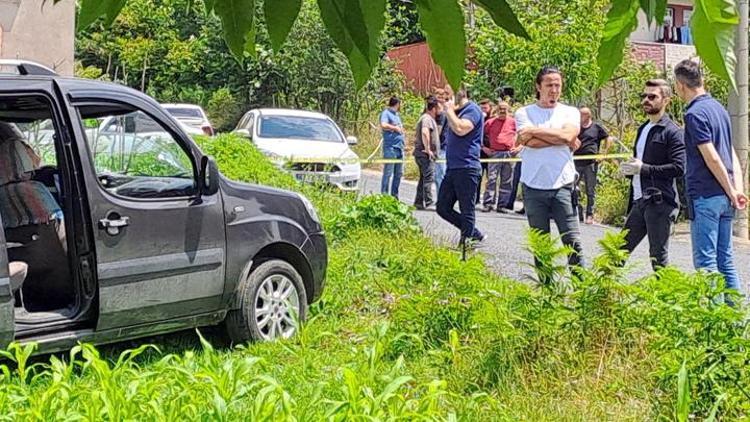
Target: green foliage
(612,194)
(356,26)
(175,52)
(448,47)
(221,109)
(504,59)
(380,212)
(713,26)
(622,19)
(407,331)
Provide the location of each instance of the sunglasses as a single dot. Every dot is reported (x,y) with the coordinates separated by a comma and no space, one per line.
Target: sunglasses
(651,97)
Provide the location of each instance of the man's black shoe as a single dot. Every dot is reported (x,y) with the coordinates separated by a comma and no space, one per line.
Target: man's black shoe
(522,211)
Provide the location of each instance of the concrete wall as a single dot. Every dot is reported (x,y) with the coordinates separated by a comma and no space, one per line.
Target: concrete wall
(39,31)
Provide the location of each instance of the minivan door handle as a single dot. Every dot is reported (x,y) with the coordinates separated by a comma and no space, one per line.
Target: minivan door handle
(113,223)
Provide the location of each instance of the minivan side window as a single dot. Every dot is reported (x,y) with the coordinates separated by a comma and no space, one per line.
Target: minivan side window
(136,157)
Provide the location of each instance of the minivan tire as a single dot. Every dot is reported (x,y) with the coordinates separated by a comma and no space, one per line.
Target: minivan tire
(259,297)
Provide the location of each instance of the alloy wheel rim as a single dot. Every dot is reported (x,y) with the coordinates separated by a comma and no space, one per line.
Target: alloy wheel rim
(276,307)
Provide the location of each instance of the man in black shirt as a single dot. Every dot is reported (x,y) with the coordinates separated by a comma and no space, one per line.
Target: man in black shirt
(591,136)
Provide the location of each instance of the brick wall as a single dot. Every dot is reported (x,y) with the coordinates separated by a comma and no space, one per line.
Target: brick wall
(648,52)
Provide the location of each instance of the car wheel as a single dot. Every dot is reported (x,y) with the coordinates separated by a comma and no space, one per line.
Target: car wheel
(272,302)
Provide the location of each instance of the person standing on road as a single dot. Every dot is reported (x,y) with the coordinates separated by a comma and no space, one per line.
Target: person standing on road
(658,160)
(393,147)
(500,135)
(426,147)
(713,177)
(548,130)
(442,122)
(486,106)
(463,142)
(591,136)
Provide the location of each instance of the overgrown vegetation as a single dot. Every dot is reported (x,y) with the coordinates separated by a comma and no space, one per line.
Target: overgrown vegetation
(405,330)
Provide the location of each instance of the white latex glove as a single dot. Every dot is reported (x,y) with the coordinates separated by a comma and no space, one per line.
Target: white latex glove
(632,167)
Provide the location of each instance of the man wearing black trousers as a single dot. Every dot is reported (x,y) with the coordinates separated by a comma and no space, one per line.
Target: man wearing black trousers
(658,160)
(463,142)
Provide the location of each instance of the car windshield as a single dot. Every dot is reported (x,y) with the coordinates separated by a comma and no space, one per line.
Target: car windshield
(188,113)
(296,127)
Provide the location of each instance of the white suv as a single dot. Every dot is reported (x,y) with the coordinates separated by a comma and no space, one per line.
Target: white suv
(310,144)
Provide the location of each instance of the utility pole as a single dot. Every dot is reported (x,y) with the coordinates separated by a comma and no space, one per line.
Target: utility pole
(738,110)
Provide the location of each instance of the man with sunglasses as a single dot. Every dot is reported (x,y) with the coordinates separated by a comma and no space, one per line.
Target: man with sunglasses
(658,160)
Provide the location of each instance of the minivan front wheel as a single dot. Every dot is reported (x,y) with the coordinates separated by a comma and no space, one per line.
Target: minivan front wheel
(272,302)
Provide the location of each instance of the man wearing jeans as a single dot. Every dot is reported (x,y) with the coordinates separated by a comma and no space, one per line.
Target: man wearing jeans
(500,135)
(426,146)
(393,147)
(548,130)
(463,142)
(713,177)
(658,159)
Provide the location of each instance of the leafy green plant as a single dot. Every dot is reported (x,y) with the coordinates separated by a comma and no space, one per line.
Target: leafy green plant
(380,212)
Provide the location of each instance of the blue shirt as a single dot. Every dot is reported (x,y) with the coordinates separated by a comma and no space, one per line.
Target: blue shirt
(462,152)
(706,120)
(392,139)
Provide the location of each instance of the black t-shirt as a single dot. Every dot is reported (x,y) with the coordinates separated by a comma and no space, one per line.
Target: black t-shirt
(591,139)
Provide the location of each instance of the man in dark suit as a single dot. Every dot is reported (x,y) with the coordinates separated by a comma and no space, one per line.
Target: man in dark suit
(658,160)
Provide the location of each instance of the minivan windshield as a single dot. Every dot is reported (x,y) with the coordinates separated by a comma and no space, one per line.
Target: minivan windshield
(297,127)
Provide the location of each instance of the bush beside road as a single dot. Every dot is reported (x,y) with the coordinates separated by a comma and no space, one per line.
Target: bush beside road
(406,330)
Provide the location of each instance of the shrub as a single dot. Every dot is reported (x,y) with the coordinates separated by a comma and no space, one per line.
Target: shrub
(381,212)
(612,194)
(223,109)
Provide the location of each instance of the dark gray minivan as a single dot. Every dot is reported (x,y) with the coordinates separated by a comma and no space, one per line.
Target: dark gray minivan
(117,226)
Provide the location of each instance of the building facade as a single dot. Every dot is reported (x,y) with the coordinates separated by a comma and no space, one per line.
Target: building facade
(39,31)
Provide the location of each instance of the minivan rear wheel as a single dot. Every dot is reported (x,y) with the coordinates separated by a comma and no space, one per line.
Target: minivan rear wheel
(272,302)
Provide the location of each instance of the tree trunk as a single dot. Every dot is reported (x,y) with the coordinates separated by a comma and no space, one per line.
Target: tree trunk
(738,109)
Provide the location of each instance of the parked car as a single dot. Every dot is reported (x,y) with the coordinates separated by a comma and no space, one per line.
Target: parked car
(134,232)
(192,116)
(311,145)
(110,124)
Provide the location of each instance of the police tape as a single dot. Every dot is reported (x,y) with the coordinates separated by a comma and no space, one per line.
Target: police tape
(333,161)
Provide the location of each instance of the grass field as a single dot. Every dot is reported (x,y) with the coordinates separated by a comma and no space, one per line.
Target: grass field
(406,331)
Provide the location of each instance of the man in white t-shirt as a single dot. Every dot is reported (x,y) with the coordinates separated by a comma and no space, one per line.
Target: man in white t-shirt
(548,130)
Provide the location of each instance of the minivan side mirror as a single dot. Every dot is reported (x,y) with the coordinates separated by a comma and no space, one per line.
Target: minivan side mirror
(208,179)
(351,140)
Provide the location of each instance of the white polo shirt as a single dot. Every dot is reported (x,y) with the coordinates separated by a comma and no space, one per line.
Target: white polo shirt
(551,167)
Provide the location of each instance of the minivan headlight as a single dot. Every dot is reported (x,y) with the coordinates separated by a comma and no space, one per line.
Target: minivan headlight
(310,208)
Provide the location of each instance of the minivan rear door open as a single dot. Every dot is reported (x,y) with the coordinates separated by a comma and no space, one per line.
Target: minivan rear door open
(7,316)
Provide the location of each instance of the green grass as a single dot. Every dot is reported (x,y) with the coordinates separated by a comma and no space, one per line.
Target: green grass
(406,331)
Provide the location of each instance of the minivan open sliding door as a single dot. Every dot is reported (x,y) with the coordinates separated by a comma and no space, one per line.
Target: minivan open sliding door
(7,316)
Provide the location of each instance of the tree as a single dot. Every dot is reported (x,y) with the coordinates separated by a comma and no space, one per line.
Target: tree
(356,25)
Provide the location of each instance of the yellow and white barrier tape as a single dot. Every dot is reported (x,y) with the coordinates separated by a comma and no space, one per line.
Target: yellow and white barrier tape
(410,160)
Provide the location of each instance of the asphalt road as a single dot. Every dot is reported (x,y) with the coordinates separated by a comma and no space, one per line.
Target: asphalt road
(506,238)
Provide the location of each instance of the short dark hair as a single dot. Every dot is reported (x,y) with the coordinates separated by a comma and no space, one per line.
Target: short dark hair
(666,90)
(394,101)
(689,73)
(485,101)
(544,71)
(431,103)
